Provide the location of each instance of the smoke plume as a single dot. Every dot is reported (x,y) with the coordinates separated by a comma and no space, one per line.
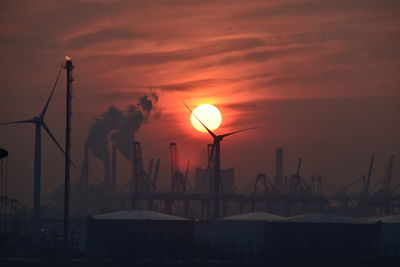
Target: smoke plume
(134,117)
(120,127)
(98,132)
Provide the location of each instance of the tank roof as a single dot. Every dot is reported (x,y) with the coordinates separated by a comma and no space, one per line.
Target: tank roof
(137,215)
(384,219)
(255,216)
(323,218)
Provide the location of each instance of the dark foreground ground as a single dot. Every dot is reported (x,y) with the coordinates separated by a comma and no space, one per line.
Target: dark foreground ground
(219,243)
(195,262)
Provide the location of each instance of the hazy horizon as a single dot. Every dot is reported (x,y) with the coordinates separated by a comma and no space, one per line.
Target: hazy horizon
(320,78)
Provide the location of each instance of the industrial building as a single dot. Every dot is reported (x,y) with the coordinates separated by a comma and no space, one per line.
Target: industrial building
(139,234)
(309,239)
(321,239)
(389,235)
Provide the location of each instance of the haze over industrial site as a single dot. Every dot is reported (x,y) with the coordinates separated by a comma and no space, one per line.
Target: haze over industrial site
(199,110)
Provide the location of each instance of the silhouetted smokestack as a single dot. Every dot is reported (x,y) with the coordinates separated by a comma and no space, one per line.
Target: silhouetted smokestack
(137,170)
(107,169)
(210,163)
(298,167)
(279,166)
(136,167)
(84,181)
(114,170)
(99,132)
(133,177)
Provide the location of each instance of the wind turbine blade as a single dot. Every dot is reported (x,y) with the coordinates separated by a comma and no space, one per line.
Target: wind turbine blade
(56,142)
(247,129)
(51,94)
(210,158)
(17,122)
(208,130)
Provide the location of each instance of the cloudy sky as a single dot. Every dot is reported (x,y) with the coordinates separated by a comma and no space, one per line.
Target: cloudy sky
(321,79)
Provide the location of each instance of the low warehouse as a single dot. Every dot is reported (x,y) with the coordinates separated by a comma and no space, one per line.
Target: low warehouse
(390,234)
(238,235)
(308,239)
(316,239)
(322,239)
(139,234)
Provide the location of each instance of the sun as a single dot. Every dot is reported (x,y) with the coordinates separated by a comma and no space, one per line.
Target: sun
(209,115)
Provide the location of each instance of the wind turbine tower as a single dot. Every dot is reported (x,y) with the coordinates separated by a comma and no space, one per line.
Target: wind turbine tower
(217,161)
(39,124)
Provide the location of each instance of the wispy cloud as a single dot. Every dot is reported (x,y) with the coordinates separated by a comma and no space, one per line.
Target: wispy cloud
(206,49)
(291,65)
(104,35)
(190,85)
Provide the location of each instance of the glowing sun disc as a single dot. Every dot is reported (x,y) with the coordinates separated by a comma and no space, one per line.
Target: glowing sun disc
(209,115)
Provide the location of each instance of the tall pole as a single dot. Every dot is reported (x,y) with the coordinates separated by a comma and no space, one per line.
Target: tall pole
(69,67)
(217,178)
(36,185)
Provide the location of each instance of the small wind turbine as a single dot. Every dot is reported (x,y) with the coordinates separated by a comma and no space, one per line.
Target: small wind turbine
(217,160)
(39,124)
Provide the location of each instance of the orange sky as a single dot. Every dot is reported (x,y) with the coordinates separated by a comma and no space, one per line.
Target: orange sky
(320,78)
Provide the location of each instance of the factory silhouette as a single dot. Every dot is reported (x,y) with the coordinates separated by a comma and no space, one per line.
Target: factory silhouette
(279,219)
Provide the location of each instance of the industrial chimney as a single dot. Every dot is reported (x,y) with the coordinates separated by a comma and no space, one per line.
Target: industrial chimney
(114,169)
(84,181)
(209,178)
(137,171)
(69,67)
(107,169)
(279,167)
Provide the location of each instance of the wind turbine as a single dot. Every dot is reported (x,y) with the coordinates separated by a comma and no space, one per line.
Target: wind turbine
(217,160)
(39,124)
